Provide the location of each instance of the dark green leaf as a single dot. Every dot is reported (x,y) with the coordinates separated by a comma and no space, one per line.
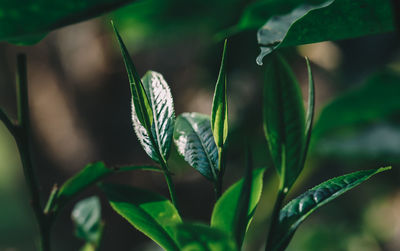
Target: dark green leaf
(224,215)
(297,210)
(27,22)
(295,22)
(195,142)
(162,107)
(200,237)
(87,218)
(310,110)
(284,124)
(140,101)
(150,213)
(376,99)
(219,114)
(91,174)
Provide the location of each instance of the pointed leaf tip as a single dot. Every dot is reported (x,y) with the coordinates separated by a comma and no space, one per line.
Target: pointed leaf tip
(297,210)
(139,97)
(219,113)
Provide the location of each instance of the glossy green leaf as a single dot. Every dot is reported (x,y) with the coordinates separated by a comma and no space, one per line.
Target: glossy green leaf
(148,212)
(200,237)
(283,117)
(226,214)
(219,113)
(310,110)
(297,210)
(376,99)
(140,101)
(295,22)
(162,107)
(27,22)
(195,142)
(88,176)
(86,216)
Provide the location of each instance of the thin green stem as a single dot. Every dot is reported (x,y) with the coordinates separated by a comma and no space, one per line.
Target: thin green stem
(22,137)
(170,184)
(7,122)
(275,217)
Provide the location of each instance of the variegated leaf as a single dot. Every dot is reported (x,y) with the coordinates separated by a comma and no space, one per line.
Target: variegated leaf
(161,103)
(195,142)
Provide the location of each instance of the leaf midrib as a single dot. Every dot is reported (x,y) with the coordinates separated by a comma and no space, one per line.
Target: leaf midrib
(204,149)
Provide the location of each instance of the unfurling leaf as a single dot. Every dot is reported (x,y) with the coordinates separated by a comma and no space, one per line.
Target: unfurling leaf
(195,142)
(162,107)
(148,212)
(283,119)
(219,114)
(310,111)
(87,218)
(225,214)
(297,210)
(200,237)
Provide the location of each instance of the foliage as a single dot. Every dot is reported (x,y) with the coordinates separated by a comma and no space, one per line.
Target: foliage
(201,139)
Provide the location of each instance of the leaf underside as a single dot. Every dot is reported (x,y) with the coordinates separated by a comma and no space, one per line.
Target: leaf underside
(161,103)
(195,142)
(297,210)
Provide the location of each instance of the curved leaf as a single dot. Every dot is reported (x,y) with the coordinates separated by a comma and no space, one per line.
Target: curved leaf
(200,237)
(310,110)
(297,210)
(88,176)
(283,119)
(87,218)
(224,215)
(27,22)
(295,22)
(162,107)
(219,113)
(148,212)
(195,142)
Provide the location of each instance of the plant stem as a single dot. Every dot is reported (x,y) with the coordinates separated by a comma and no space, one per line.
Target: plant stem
(22,137)
(170,184)
(275,216)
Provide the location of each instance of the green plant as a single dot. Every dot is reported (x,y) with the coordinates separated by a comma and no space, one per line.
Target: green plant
(199,138)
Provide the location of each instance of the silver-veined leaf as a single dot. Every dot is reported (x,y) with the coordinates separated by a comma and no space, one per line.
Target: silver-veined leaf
(219,113)
(162,107)
(195,142)
(284,122)
(148,212)
(297,210)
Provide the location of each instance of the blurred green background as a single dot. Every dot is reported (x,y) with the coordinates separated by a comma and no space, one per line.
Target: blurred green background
(80,108)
